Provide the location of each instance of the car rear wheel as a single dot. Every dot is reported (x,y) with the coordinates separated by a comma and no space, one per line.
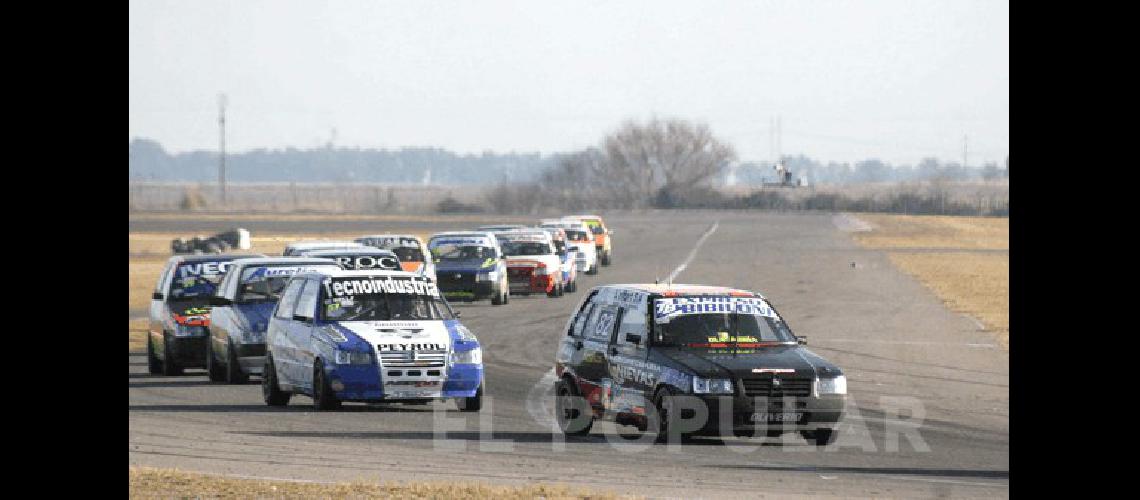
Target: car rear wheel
(572,287)
(273,394)
(499,298)
(234,375)
(169,367)
(324,399)
(213,371)
(472,404)
(821,437)
(593,269)
(153,364)
(569,417)
(606,259)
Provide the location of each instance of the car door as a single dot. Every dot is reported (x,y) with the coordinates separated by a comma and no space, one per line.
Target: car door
(279,342)
(569,355)
(157,311)
(222,321)
(301,331)
(596,341)
(633,378)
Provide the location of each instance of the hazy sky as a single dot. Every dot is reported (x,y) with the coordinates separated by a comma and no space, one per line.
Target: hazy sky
(896,80)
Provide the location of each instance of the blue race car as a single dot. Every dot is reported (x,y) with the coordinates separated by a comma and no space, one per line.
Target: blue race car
(240,313)
(369,336)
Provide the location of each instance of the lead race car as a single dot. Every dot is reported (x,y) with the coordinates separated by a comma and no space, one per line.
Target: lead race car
(692,360)
(369,336)
(579,238)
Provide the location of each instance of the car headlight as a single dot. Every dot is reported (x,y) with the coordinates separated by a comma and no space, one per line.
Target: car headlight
(465,334)
(470,357)
(487,276)
(188,331)
(825,386)
(352,358)
(712,385)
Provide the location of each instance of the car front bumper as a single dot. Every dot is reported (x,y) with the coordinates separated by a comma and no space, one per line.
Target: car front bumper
(365,383)
(728,414)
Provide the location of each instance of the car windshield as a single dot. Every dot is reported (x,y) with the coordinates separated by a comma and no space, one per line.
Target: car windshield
(573,235)
(408,254)
(383,299)
(462,252)
(717,323)
(519,248)
(194,280)
(265,283)
(595,226)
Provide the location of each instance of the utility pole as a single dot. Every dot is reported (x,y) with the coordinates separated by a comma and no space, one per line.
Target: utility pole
(964,152)
(222,145)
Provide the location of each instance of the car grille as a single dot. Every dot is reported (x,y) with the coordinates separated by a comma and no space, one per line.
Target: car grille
(788,387)
(519,274)
(451,280)
(413,359)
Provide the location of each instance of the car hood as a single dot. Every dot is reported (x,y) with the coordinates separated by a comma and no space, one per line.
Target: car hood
(805,363)
(399,335)
(465,265)
(254,317)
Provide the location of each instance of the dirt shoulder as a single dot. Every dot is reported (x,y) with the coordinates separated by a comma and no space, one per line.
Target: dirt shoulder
(963,260)
(146,482)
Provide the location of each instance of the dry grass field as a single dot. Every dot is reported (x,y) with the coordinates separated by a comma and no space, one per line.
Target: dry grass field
(169,483)
(959,258)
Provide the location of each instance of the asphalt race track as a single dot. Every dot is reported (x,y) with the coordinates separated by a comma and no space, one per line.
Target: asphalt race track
(914,369)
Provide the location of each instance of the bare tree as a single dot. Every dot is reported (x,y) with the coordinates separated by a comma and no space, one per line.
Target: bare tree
(663,156)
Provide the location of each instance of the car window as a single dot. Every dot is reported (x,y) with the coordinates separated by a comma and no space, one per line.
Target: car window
(225,285)
(307,303)
(289,299)
(600,327)
(631,322)
(580,319)
(163,278)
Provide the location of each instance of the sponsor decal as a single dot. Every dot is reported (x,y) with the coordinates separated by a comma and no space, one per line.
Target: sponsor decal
(210,268)
(276,271)
(773,370)
(411,347)
(668,308)
(367,262)
(348,287)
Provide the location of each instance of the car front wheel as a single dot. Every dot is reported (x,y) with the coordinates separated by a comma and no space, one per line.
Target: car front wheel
(324,398)
(273,394)
(153,364)
(471,404)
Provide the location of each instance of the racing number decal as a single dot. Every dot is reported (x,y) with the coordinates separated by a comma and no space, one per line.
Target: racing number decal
(603,326)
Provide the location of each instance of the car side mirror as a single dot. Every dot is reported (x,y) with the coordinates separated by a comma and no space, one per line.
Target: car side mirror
(220,301)
(633,338)
(156,296)
(802,339)
(303,319)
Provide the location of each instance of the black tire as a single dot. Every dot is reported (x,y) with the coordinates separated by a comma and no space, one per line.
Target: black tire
(273,394)
(821,437)
(213,371)
(498,299)
(234,375)
(593,269)
(606,259)
(169,366)
(573,286)
(153,364)
(471,404)
(663,402)
(323,397)
(565,388)
(556,290)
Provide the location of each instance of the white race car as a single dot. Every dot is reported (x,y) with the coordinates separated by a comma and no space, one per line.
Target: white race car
(580,238)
